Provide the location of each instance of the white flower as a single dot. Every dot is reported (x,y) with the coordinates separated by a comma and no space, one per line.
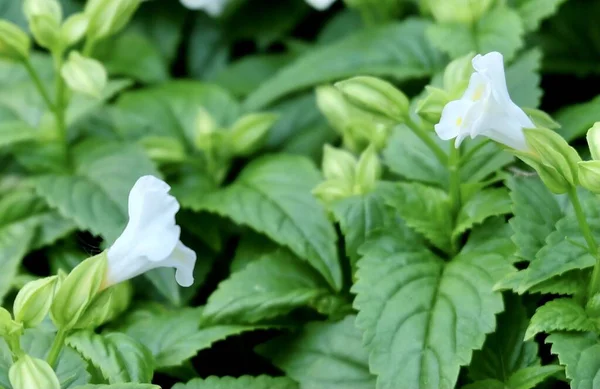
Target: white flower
(151,237)
(485,108)
(216,7)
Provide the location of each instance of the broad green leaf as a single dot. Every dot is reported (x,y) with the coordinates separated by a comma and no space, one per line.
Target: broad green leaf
(529,377)
(243,382)
(563,314)
(579,353)
(569,283)
(119,386)
(252,246)
(426,209)
(208,48)
(536,213)
(359,216)
(175,335)
(266,197)
(481,160)
(484,204)
(398,51)
(532,12)
(342,24)
(120,358)
(266,288)
(12,132)
(422,317)
(95,196)
(500,29)
(486,384)
(523,79)
(323,356)
(577,119)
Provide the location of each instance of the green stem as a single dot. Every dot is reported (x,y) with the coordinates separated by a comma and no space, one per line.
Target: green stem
(60,101)
(454,170)
(38,83)
(424,136)
(594,285)
(88,48)
(473,150)
(57,345)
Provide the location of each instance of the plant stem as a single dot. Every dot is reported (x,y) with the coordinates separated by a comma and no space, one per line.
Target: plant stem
(88,48)
(454,170)
(57,345)
(38,83)
(60,101)
(424,136)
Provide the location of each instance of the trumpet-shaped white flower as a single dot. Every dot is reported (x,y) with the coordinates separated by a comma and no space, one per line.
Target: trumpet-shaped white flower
(216,7)
(485,108)
(151,237)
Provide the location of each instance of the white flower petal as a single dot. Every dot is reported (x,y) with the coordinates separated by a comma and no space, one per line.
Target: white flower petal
(453,116)
(212,7)
(491,66)
(320,5)
(183,259)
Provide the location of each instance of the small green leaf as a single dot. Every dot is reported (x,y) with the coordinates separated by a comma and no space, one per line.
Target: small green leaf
(16,131)
(500,29)
(577,119)
(266,288)
(569,283)
(523,79)
(426,209)
(120,358)
(562,314)
(270,200)
(484,204)
(323,356)
(532,12)
(243,382)
(580,354)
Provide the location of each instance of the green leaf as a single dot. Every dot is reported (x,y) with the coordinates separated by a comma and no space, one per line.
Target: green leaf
(280,205)
(569,283)
(529,377)
(119,386)
(266,288)
(359,216)
(536,213)
(483,160)
(208,48)
(243,382)
(577,119)
(366,52)
(484,204)
(95,196)
(422,317)
(426,209)
(579,353)
(501,29)
(562,314)
(252,246)
(175,335)
(486,384)
(120,358)
(323,356)
(523,79)
(532,12)
(12,132)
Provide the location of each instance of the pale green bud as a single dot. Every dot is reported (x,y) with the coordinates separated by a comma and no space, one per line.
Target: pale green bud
(461,11)
(552,150)
(368,170)
(107,17)
(541,119)
(375,95)
(553,180)
(14,42)
(44,17)
(84,75)
(8,327)
(204,127)
(333,190)
(334,106)
(77,291)
(33,301)
(106,306)
(74,28)
(32,373)
(457,75)
(338,164)
(163,149)
(593,140)
(589,175)
(249,132)
(430,108)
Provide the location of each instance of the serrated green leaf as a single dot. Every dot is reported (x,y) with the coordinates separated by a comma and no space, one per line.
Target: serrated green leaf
(486,384)
(366,52)
(120,358)
(426,209)
(359,216)
(500,29)
(95,197)
(484,204)
(577,119)
(579,353)
(529,377)
(444,309)
(119,386)
(569,283)
(266,288)
(563,314)
(523,79)
(536,213)
(532,12)
(484,161)
(266,197)
(174,336)
(243,382)
(323,356)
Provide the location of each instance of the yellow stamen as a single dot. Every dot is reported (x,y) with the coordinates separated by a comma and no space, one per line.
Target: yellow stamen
(459,121)
(478,93)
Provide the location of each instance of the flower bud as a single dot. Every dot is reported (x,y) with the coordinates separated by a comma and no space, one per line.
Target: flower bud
(334,106)
(32,373)
(553,180)
(368,170)
(107,17)
(106,306)
(541,119)
(332,190)
(593,140)
(376,96)
(204,129)
(8,327)
(44,17)
(430,108)
(33,301)
(84,75)
(73,29)
(461,11)
(457,75)
(338,164)
(77,291)
(589,175)
(249,132)
(14,42)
